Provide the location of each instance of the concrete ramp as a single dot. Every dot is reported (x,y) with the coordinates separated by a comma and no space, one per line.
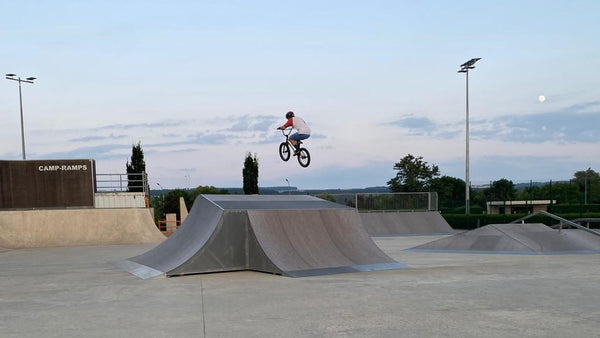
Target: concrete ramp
(528,238)
(288,235)
(405,223)
(76,227)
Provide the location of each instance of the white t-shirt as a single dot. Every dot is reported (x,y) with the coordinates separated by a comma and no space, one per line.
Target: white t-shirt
(299,124)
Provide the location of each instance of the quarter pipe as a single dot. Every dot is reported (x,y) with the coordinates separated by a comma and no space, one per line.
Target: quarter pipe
(76,227)
(405,223)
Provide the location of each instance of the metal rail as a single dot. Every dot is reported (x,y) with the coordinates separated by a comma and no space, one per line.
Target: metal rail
(586,220)
(137,182)
(560,219)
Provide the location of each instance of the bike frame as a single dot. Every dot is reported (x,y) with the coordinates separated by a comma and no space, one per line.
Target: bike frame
(287,137)
(302,153)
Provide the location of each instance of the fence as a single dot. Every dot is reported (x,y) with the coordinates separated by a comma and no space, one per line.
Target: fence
(165,225)
(410,201)
(135,182)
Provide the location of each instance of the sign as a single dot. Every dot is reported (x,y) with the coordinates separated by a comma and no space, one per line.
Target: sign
(47,184)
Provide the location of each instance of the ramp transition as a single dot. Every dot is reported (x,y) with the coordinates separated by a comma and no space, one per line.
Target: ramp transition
(405,223)
(289,235)
(527,238)
(77,227)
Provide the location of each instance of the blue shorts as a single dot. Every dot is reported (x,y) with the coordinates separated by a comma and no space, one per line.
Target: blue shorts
(299,137)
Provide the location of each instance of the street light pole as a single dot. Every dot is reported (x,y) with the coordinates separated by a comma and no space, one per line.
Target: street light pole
(464,68)
(289,188)
(28,80)
(162,193)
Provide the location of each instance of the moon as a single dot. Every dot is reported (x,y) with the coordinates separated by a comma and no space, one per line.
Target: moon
(541,98)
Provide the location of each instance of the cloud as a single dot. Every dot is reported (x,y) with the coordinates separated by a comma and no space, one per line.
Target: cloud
(101,152)
(574,124)
(423,126)
(253,123)
(97,138)
(230,130)
(209,138)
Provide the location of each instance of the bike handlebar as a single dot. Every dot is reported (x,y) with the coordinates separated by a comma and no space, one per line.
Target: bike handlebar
(289,131)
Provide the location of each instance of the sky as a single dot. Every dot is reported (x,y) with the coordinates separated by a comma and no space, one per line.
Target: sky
(200,84)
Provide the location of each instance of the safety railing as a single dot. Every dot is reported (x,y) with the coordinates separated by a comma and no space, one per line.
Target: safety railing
(164,225)
(133,182)
(586,220)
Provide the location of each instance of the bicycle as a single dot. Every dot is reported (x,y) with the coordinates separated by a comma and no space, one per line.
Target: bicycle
(285,151)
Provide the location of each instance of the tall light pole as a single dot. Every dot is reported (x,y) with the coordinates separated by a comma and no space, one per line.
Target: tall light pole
(162,192)
(14,77)
(464,68)
(289,188)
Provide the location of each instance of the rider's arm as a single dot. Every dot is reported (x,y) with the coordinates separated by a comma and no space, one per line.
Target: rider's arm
(289,123)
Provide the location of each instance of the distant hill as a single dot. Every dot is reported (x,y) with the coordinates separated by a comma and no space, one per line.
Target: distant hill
(518,186)
(278,190)
(282,190)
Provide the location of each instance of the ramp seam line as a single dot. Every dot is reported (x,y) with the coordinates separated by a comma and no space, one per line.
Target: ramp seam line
(514,238)
(203,316)
(213,202)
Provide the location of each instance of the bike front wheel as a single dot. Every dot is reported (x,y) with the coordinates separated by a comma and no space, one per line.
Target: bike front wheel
(284,151)
(304,157)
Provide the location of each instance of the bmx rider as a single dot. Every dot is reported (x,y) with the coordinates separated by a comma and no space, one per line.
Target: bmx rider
(303,130)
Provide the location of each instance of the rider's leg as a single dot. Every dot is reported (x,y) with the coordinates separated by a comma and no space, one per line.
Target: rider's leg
(296,138)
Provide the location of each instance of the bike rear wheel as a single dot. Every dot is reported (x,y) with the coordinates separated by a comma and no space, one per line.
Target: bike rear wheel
(304,157)
(284,151)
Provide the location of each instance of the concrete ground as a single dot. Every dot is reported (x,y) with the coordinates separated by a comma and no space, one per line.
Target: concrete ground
(76,292)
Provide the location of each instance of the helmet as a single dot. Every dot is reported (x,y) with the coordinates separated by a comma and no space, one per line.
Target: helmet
(289,114)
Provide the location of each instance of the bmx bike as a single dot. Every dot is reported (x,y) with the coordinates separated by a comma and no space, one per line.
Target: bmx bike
(285,149)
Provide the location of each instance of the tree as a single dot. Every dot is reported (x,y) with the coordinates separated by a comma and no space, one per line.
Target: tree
(413,175)
(501,190)
(171,201)
(589,185)
(327,196)
(250,174)
(450,190)
(530,193)
(203,190)
(136,169)
(562,192)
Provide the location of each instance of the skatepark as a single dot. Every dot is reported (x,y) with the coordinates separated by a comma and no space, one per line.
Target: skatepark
(390,289)
(285,266)
(77,291)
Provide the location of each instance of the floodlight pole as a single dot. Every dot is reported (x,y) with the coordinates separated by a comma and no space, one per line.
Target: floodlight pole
(28,80)
(464,68)
(162,194)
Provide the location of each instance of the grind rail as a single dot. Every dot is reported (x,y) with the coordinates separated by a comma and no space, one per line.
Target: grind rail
(561,222)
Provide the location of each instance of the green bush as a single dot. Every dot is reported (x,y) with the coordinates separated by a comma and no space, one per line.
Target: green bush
(475,209)
(574,208)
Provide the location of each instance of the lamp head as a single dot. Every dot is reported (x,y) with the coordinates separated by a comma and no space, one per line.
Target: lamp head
(470,63)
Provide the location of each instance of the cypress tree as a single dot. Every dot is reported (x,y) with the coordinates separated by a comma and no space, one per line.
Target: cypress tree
(250,174)
(135,169)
